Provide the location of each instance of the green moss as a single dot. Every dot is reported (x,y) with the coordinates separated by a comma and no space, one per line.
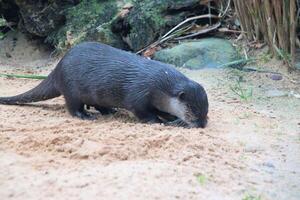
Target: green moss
(97,20)
(209,52)
(104,34)
(145,21)
(150,19)
(82,19)
(2,22)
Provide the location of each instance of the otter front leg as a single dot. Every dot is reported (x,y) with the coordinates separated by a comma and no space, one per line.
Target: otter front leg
(178,123)
(105,111)
(146,116)
(166,117)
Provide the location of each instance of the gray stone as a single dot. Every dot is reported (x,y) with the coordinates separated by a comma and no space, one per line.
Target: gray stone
(297,65)
(204,53)
(149,19)
(268,164)
(276,93)
(276,77)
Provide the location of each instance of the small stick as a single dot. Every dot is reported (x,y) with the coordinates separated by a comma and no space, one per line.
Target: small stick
(189,19)
(293,25)
(167,36)
(228,5)
(245,53)
(164,39)
(200,32)
(209,11)
(298,41)
(229,30)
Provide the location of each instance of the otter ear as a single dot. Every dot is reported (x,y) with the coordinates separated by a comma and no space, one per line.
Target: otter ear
(181,95)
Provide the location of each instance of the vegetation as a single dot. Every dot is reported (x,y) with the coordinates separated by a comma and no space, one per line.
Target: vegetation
(251,197)
(273,22)
(201,179)
(2,23)
(137,24)
(240,88)
(244,93)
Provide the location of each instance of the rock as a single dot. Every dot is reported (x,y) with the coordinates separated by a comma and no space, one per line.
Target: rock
(2,22)
(9,10)
(149,19)
(198,54)
(42,17)
(104,34)
(293,94)
(83,23)
(130,24)
(8,55)
(297,65)
(64,23)
(297,61)
(268,164)
(276,77)
(276,93)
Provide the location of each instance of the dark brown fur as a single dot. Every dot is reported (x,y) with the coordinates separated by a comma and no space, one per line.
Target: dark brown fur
(98,75)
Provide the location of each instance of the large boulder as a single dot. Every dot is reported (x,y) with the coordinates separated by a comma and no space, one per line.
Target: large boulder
(126,24)
(87,21)
(149,19)
(40,18)
(9,10)
(197,54)
(64,23)
(130,24)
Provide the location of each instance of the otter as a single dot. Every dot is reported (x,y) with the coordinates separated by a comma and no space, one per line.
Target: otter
(101,76)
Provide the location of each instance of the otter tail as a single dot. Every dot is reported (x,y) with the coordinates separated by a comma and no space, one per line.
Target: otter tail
(45,90)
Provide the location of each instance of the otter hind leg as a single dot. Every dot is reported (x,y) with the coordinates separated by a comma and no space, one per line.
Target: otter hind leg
(76,109)
(84,115)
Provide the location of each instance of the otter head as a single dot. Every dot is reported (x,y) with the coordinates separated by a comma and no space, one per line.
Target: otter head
(189,103)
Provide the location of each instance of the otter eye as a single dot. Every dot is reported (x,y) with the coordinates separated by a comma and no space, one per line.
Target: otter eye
(181,95)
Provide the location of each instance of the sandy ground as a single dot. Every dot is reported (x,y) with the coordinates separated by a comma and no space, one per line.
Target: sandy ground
(250,149)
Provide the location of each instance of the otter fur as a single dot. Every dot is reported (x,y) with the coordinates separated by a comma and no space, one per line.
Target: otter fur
(104,77)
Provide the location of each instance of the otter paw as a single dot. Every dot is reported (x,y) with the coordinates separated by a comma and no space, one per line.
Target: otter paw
(177,123)
(85,116)
(106,111)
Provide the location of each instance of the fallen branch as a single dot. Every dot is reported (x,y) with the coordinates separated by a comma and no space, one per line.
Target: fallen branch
(237,62)
(190,19)
(224,30)
(200,32)
(254,69)
(167,36)
(178,32)
(227,8)
(9,24)
(39,77)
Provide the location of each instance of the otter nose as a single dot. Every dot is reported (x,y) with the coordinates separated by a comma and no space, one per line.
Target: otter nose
(200,123)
